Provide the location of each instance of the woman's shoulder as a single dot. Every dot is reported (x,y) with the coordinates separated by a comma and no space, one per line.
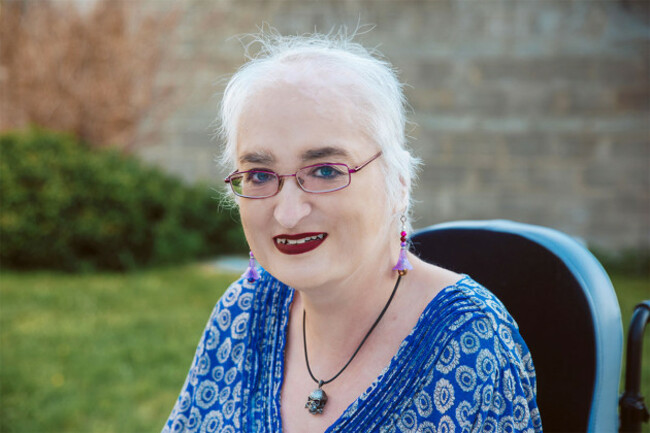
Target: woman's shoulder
(216,383)
(486,301)
(484,337)
(482,371)
(243,294)
(449,296)
(245,299)
(471,320)
(239,295)
(468,300)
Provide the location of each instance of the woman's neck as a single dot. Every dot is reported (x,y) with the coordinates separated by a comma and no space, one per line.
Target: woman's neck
(338,316)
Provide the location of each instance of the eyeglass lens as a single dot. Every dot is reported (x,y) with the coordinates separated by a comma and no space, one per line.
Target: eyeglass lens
(317,178)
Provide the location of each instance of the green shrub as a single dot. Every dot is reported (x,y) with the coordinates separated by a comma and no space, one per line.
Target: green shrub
(66,206)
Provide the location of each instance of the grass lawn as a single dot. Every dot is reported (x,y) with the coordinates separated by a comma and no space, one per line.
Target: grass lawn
(99,352)
(109,352)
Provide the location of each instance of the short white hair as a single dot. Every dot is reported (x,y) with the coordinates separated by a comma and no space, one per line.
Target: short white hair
(384,117)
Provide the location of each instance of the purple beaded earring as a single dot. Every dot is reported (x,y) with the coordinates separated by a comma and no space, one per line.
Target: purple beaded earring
(403,265)
(251,273)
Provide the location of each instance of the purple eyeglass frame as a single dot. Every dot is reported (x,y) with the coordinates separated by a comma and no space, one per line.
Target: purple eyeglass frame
(282,176)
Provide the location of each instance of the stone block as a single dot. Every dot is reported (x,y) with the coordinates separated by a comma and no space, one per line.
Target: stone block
(633,99)
(438,100)
(555,178)
(528,144)
(619,174)
(433,72)
(484,100)
(442,175)
(573,147)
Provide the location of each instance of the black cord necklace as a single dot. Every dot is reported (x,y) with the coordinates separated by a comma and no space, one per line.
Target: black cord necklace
(317,399)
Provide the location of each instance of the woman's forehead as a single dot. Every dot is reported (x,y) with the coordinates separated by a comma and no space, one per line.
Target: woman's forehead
(319,97)
(325,89)
(305,123)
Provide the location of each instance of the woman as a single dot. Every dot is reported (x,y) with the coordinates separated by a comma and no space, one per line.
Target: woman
(332,334)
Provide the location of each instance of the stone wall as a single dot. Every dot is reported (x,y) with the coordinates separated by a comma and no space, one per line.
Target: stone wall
(536,111)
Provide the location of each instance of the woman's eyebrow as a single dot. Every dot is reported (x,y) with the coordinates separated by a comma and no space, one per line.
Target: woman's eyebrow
(324,152)
(257,158)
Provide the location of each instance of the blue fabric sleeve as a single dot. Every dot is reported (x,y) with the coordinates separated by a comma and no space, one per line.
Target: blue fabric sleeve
(208,393)
(483,381)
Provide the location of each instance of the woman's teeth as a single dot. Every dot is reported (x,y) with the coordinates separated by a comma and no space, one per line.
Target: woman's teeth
(299,241)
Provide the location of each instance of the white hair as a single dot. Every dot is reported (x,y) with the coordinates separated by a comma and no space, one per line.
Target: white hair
(384,114)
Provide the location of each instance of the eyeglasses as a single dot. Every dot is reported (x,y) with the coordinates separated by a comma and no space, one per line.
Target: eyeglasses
(315,179)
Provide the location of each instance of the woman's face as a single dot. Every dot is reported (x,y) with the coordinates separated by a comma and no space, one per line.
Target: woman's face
(289,126)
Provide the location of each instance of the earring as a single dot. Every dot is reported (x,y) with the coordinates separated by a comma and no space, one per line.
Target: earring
(403,265)
(251,273)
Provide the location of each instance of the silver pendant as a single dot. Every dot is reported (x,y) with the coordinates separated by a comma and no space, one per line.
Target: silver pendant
(316,400)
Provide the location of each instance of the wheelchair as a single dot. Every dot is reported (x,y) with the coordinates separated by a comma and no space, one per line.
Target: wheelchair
(567,311)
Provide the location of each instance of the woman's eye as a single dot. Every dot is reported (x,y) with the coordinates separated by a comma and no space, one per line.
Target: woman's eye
(259,177)
(326,171)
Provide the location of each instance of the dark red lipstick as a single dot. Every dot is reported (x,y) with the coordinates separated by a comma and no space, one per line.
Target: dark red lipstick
(298,243)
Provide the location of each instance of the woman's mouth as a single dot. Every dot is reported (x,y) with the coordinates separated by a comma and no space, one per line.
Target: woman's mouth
(299,243)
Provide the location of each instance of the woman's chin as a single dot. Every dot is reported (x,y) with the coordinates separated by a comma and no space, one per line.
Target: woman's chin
(301,277)
(298,281)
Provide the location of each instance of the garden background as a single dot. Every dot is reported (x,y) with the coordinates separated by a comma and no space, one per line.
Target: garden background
(111,213)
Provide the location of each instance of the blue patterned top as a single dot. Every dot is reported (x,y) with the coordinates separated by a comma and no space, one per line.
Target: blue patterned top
(464,367)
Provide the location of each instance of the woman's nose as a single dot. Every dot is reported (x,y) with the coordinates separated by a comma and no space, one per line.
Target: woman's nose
(291,204)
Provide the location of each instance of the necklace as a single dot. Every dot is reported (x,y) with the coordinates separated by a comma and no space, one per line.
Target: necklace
(318,398)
